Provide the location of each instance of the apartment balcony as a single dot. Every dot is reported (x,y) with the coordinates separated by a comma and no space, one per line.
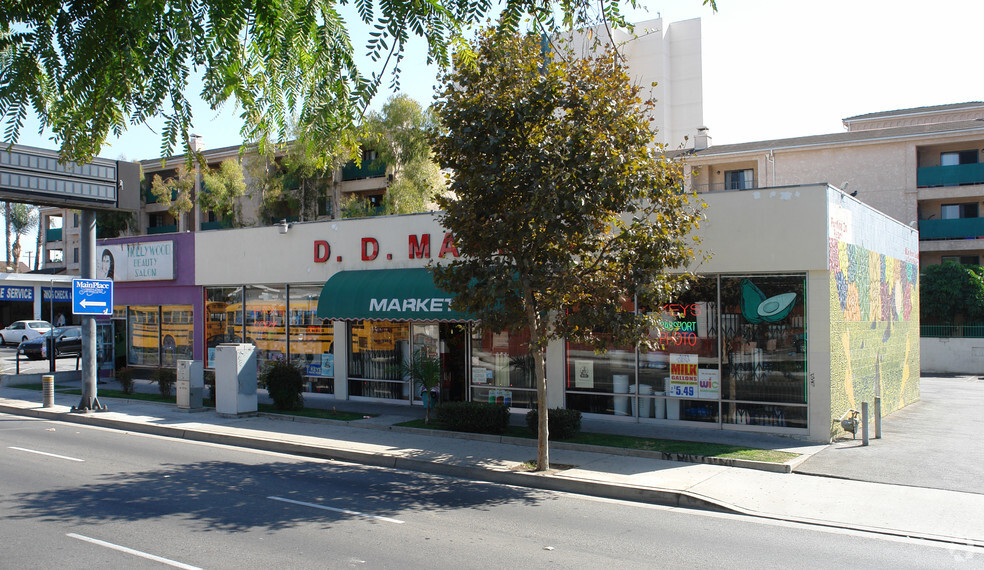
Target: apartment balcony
(962,228)
(150,198)
(217,225)
(956,175)
(52,235)
(733,186)
(162,229)
(368,170)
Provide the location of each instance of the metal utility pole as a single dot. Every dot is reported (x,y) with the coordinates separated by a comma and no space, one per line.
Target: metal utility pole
(90,399)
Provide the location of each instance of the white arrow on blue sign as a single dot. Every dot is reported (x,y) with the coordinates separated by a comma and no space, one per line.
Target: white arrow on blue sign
(92,297)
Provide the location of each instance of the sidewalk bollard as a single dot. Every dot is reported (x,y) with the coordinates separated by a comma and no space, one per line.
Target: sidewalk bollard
(877,417)
(48,390)
(864,423)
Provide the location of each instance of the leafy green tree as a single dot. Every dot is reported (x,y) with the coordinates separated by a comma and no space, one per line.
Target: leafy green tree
(562,207)
(951,293)
(399,133)
(114,224)
(221,190)
(176,193)
(292,183)
(23,218)
(90,69)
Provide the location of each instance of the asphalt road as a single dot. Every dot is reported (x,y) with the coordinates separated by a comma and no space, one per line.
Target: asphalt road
(73,496)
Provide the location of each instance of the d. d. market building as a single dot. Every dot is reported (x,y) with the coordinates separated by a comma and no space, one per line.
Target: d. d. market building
(807,307)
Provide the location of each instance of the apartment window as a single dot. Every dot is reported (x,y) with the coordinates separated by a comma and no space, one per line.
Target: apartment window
(75,220)
(739,179)
(962,259)
(75,255)
(958,211)
(958,157)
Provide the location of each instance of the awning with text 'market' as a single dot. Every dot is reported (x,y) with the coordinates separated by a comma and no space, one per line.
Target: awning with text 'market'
(386,295)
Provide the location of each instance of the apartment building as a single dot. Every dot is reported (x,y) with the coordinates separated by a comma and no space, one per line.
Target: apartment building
(60,227)
(921,166)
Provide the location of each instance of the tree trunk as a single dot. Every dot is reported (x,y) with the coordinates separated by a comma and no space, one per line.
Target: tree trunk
(16,251)
(7,225)
(37,250)
(537,349)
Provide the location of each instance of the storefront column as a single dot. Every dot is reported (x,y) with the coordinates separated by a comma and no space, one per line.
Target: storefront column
(37,304)
(340,350)
(556,370)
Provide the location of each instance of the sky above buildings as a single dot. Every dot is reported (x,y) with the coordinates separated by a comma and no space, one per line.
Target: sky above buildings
(771,68)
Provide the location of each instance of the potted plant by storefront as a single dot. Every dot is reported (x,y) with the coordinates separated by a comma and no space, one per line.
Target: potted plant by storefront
(424,373)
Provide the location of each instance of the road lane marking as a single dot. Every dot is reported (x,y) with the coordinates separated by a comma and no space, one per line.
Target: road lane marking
(48,454)
(344,511)
(133,552)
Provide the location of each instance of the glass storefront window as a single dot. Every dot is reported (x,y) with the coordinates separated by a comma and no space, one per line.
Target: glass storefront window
(311,341)
(223,318)
(600,383)
(764,359)
(143,336)
(177,334)
(502,369)
(376,350)
(266,322)
(684,363)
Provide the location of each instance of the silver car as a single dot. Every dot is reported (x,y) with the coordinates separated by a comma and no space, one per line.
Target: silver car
(19,331)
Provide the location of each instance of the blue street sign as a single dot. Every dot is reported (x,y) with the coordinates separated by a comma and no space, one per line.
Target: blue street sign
(92,297)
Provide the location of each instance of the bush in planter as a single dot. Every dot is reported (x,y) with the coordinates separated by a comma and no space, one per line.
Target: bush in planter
(165,378)
(124,376)
(284,382)
(561,423)
(474,417)
(424,373)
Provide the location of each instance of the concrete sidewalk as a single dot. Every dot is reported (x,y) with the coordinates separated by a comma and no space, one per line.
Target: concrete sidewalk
(929,513)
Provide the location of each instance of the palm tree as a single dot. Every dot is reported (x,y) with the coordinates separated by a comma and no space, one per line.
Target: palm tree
(22,218)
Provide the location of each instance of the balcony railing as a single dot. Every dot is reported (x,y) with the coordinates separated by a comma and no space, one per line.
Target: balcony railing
(150,198)
(373,169)
(961,228)
(162,229)
(217,225)
(52,234)
(930,176)
(727,186)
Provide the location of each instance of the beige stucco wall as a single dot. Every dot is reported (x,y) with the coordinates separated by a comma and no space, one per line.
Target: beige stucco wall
(769,230)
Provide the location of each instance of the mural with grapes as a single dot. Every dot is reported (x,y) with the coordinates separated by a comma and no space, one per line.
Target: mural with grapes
(874,329)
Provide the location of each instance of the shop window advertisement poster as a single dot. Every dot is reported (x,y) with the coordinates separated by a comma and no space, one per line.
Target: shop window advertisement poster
(328,364)
(584,374)
(480,375)
(683,376)
(709,384)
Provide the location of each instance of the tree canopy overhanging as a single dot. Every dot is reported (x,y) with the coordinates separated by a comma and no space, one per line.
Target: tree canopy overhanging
(566,214)
(92,69)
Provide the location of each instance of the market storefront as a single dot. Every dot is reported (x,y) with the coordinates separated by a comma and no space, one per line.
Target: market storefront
(807,307)
(745,364)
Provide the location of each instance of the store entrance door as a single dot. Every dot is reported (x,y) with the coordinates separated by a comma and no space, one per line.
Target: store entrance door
(454,362)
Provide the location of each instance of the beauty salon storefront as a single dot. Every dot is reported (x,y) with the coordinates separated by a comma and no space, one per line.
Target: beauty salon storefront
(808,306)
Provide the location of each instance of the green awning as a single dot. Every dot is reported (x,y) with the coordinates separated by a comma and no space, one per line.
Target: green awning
(386,294)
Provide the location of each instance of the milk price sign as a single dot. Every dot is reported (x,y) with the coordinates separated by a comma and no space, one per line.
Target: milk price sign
(92,297)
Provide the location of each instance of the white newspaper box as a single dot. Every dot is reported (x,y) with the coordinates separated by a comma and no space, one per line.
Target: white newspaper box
(235,379)
(190,384)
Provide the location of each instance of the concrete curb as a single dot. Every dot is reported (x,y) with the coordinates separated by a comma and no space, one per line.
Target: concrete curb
(549,481)
(786,467)
(544,481)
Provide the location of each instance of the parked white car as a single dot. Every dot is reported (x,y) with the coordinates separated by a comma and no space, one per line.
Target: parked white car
(19,331)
